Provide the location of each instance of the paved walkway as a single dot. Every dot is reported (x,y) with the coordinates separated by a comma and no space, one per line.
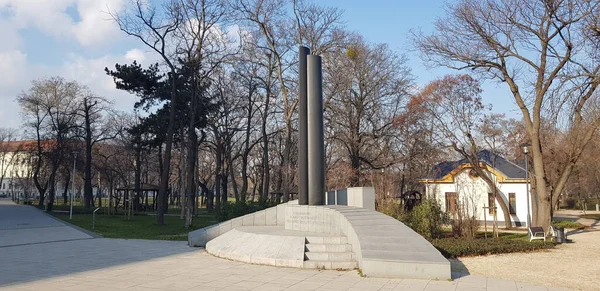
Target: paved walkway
(79,262)
(27,225)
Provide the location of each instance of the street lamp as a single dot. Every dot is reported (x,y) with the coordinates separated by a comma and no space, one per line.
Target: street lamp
(525,148)
(73,185)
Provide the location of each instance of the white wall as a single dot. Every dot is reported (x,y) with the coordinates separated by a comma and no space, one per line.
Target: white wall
(474,192)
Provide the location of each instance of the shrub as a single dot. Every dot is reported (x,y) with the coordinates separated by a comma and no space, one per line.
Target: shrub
(464,224)
(427,219)
(232,210)
(462,247)
(392,208)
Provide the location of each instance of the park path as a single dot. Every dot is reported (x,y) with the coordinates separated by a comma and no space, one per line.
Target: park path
(575,265)
(81,262)
(21,225)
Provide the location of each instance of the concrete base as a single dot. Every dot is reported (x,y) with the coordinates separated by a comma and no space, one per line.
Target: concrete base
(381,245)
(259,248)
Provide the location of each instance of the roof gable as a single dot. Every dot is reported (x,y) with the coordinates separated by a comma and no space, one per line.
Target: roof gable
(491,159)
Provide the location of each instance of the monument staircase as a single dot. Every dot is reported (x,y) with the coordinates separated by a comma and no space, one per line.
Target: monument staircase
(329,252)
(345,233)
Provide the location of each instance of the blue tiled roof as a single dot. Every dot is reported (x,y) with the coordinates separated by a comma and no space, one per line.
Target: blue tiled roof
(501,164)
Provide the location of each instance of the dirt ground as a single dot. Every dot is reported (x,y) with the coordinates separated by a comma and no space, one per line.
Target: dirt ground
(574,265)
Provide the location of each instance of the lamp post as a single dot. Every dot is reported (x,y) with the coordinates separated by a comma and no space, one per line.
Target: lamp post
(73,185)
(525,148)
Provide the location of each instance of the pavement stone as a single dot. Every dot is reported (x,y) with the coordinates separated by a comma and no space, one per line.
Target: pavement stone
(116,264)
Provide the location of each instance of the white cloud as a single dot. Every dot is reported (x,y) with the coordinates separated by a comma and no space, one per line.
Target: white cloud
(17,75)
(90,72)
(92,28)
(96,25)
(135,55)
(49,17)
(12,65)
(9,34)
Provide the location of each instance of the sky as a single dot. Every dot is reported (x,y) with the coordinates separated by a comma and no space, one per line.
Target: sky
(76,39)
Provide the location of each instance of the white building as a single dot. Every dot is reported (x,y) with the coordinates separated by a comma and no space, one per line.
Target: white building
(16,170)
(458,188)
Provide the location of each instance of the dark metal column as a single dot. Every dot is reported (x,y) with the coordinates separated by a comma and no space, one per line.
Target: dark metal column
(316,146)
(302,129)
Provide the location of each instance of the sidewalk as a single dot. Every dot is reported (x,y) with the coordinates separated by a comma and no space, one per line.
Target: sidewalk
(42,260)
(22,225)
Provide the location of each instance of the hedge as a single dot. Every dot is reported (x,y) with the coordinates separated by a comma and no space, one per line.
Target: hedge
(462,247)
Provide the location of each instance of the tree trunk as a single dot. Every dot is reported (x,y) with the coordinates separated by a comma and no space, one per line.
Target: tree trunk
(87,186)
(266,174)
(52,193)
(224,179)
(66,189)
(542,216)
(355,164)
(164,179)
(218,161)
(191,171)
(210,197)
(137,177)
(236,193)
(498,198)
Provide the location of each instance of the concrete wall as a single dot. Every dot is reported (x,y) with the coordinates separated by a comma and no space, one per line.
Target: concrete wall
(269,217)
(383,246)
(363,197)
(474,193)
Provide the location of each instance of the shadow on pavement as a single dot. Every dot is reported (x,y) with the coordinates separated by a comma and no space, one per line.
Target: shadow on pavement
(458,269)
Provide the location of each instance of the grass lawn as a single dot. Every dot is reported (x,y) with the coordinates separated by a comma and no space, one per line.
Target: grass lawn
(140,226)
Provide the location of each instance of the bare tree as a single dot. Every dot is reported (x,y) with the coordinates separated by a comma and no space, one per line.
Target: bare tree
(277,32)
(547,55)
(49,109)
(367,88)
(454,103)
(96,125)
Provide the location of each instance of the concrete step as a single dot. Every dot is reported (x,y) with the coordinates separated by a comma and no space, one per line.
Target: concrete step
(337,265)
(326,240)
(329,256)
(340,248)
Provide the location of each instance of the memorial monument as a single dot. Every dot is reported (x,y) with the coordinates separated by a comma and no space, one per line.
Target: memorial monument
(335,230)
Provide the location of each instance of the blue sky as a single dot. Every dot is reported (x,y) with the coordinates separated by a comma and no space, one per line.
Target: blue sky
(75,39)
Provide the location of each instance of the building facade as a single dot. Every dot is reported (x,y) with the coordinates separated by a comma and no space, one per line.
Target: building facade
(16,171)
(457,188)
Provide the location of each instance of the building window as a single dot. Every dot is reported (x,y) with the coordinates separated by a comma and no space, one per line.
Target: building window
(512,203)
(451,202)
(491,203)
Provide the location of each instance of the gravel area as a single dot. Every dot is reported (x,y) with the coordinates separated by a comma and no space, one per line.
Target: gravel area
(574,265)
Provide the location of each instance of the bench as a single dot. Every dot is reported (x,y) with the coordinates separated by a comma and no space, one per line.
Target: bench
(536,232)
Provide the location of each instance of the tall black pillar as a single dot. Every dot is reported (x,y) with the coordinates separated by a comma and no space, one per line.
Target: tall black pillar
(316,145)
(302,129)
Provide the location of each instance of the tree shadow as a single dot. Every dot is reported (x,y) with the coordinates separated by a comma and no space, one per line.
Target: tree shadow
(580,230)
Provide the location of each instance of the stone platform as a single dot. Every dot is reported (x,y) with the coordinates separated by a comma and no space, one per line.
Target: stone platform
(330,237)
(277,246)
